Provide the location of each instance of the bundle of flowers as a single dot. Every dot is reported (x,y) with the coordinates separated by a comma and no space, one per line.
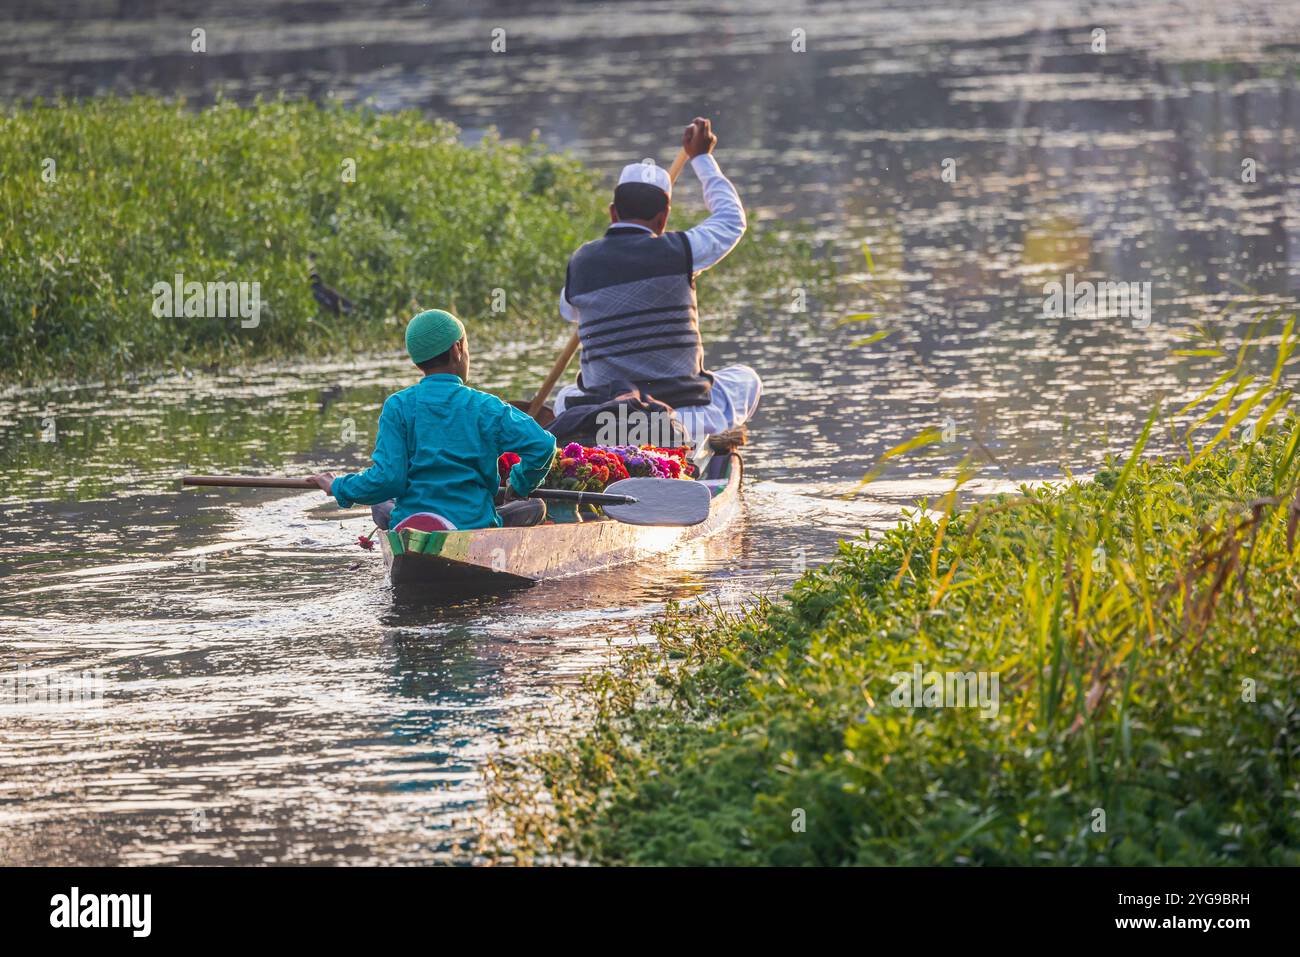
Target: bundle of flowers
(585,469)
(653,462)
(590,469)
(678,465)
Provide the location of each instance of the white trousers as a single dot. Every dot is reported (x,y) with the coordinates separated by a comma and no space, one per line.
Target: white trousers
(732,402)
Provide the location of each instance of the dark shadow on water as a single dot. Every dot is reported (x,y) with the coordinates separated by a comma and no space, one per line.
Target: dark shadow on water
(423,604)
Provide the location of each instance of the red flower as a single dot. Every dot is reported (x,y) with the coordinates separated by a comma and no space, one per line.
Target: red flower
(504,464)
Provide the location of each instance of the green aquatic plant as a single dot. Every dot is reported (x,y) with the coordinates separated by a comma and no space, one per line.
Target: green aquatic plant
(1138,632)
(103,199)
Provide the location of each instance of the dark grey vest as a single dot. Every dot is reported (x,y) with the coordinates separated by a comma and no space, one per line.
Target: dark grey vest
(638,320)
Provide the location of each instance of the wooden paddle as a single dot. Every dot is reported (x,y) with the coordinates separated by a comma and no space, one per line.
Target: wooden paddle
(659,501)
(566,354)
(643,501)
(635,501)
(247,481)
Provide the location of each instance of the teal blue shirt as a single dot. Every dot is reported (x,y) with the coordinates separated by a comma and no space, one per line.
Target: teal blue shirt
(437,451)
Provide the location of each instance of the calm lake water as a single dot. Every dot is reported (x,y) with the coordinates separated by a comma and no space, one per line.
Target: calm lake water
(267,699)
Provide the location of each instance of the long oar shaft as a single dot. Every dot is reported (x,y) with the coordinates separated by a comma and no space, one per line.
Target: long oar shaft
(247,481)
(582,498)
(656,502)
(552,377)
(258,481)
(679,161)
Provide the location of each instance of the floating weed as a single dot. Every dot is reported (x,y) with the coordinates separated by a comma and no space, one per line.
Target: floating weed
(104,198)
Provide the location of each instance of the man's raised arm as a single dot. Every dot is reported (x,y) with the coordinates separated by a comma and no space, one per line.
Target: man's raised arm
(712,239)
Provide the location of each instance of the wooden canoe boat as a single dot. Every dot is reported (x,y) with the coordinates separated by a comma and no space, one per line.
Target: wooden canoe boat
(487,560)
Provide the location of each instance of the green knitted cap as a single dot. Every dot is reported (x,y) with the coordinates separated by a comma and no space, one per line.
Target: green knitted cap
(431,333)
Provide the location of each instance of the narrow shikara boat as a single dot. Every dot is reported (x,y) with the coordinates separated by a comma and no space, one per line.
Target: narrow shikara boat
(497,559)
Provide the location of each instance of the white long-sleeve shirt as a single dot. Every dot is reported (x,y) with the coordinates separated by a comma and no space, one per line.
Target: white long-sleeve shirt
(712,239)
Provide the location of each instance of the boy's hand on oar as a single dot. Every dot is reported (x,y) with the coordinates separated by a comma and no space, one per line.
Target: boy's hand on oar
(324,481)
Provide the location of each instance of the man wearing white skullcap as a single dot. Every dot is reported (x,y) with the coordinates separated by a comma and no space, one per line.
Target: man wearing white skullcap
(649,173)
(632,294)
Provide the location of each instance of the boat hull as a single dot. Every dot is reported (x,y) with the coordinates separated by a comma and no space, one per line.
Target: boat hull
(490,560)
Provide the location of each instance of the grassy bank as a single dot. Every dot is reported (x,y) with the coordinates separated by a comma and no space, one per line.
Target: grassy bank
(102,199)
(1142,628)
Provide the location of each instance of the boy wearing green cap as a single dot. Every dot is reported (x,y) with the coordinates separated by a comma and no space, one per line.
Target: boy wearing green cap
(439,442)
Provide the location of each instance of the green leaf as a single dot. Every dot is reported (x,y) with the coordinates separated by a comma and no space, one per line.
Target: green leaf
(874,337)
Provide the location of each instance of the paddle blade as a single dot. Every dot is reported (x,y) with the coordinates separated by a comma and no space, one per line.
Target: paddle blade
(660,501)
